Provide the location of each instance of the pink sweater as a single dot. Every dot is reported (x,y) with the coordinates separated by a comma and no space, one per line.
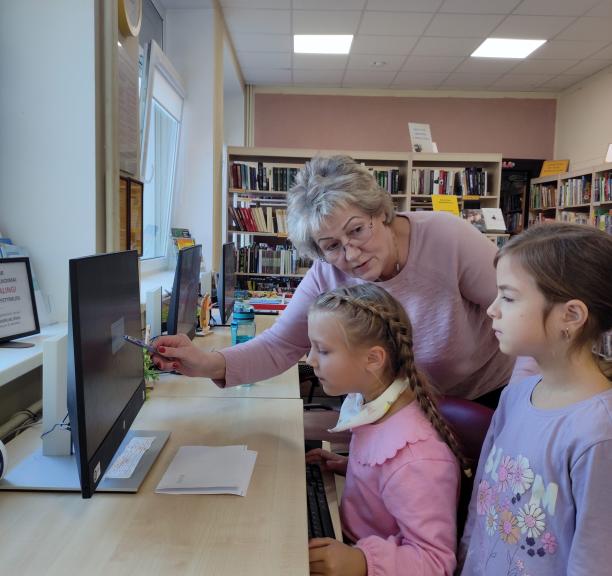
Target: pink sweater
(400,498)
(446,286)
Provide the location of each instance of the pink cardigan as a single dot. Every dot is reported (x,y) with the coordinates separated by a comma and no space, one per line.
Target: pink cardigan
(400,498)
(446,286)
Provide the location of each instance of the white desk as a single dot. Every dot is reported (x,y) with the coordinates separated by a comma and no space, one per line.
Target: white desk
(15,362)
(146,533)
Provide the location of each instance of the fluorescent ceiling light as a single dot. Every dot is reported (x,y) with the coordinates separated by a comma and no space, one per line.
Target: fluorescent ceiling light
(322,43)
(506,48)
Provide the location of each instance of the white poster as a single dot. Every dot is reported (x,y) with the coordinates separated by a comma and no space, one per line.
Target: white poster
(16,310)
(420,137)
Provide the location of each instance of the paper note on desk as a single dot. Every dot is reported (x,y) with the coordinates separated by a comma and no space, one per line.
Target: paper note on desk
(209,470)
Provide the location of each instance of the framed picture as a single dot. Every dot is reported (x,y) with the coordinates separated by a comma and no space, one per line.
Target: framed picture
(18,314)
(130,214)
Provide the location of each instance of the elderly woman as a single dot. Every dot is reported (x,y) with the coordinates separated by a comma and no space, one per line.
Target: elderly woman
(438,266)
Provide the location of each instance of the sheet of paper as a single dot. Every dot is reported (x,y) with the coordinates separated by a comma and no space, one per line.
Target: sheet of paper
(209,470)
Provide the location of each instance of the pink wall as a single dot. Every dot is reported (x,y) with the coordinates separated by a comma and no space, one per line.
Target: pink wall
(518,128)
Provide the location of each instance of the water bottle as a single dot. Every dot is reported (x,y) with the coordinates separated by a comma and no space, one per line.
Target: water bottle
(243,323)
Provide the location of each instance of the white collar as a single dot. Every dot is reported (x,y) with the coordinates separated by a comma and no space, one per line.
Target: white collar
(354,412)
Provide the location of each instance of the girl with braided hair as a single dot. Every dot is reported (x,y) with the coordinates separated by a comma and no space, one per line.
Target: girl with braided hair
(402,478)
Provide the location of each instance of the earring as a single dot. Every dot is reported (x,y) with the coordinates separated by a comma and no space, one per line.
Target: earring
(566,334)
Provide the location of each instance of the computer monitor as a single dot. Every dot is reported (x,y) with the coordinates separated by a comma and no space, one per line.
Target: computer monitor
(183,309)
(226,283)
(105,385)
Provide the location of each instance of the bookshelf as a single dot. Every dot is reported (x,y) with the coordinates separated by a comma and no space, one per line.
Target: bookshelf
(257,180)
(581,196)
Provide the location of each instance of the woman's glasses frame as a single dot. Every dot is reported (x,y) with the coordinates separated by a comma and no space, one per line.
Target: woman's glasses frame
(355,237)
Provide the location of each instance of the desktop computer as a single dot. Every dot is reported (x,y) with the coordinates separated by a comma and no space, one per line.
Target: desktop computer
(105,388)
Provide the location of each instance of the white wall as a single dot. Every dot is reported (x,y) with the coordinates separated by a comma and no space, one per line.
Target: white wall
(48,136)
(233,100)
(584,121)
(189,44)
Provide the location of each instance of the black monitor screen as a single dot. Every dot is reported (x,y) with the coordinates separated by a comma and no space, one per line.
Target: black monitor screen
(105,373)
(182,312)
(226,285)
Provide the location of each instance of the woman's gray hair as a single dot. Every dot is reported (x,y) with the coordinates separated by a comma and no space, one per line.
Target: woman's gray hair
(322,186)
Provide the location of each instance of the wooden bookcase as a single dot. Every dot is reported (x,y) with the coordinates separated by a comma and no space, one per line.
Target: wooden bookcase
(257,180)
(582,196)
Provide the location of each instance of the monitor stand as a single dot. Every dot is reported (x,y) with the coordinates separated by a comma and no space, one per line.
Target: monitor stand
(59,473)
(15,344)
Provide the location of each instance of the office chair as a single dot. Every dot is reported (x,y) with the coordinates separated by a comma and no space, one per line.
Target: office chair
(470,422)
(320,416)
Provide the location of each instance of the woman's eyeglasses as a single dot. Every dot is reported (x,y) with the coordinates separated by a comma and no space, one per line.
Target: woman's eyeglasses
(356,236)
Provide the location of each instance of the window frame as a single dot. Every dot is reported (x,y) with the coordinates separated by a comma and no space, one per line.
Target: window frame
(158,62)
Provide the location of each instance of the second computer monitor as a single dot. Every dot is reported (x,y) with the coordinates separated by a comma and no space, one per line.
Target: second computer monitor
(182,313)
(226,283)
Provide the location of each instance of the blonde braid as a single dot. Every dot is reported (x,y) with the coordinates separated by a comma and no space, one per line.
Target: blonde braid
(387,323)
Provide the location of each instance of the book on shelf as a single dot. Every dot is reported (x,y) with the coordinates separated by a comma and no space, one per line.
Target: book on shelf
(256,219)
(444,203)
(488,220)
(261,177)
(469,181)
(180,232)
(181,243)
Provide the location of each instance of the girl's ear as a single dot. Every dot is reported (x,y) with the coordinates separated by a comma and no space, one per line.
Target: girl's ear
(376,359)
(574,315)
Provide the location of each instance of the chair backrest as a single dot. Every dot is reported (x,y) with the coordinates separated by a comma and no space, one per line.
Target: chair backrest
(470,422)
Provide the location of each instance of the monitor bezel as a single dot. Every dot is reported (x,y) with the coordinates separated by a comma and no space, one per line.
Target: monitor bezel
(36,330)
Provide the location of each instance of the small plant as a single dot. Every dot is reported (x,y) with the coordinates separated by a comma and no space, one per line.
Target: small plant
(150,373)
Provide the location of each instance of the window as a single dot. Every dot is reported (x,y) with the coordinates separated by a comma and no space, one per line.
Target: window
(163,108)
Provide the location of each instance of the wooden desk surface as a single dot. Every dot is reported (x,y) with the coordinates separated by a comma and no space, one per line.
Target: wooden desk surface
(146,533)
(285,385)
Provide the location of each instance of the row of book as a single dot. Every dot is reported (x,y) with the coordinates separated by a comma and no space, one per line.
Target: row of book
(512,202)
(266,219)
(260,176)
(388,180)
(542,196)
(574,191)
(470,181)
(602,188)
(574,217)
(259,258)
(603,219)
(514,222)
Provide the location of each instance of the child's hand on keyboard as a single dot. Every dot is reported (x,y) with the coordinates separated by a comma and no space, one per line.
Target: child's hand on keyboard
(328,460)
(329,557)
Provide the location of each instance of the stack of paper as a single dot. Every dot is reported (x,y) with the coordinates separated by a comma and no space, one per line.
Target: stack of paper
(209,470)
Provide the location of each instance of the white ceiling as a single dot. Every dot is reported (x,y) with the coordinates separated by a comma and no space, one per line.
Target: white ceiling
(418,44)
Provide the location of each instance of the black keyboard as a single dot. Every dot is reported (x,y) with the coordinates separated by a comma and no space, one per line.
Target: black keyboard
(319,520)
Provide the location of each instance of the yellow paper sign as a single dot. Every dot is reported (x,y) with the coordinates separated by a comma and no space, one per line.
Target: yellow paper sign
(552,167)
(445,203)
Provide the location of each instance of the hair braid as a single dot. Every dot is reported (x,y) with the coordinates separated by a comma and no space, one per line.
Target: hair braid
(373,315)
(425,398)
